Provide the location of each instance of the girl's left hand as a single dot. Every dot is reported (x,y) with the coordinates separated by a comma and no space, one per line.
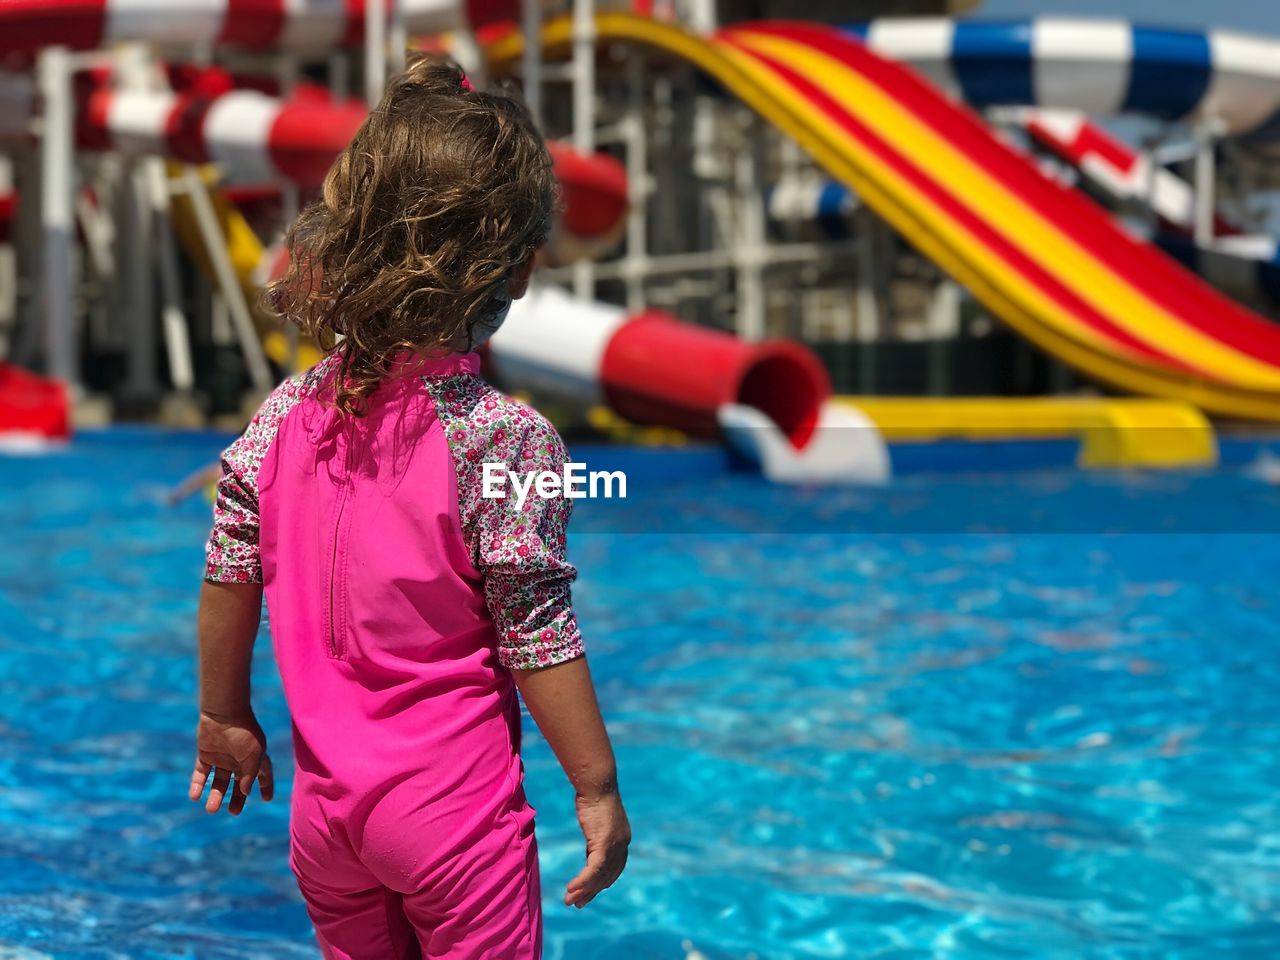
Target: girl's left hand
(231,747)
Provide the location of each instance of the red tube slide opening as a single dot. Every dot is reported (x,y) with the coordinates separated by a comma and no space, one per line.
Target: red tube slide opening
(594,189)
(658,370)
(30,404)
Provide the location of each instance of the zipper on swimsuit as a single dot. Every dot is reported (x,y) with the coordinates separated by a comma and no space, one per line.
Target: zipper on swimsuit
(337,638)
(333,573)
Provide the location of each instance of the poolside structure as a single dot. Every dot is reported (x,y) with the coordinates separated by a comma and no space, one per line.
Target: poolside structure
(793,190)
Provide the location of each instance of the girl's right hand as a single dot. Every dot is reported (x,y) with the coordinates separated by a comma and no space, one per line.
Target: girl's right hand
(607,832)
(227,748)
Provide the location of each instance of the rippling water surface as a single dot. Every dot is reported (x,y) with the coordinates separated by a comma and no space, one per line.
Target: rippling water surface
(832,744)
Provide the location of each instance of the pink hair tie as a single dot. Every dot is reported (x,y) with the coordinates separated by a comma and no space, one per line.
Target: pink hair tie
(466,84)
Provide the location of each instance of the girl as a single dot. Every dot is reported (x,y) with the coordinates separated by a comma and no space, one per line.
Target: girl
(406,608)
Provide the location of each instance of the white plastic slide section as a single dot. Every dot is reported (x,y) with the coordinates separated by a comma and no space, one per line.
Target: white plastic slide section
(846,447)
(554,343)
(1101,67)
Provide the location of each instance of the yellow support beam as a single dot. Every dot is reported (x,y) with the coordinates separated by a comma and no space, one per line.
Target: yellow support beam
(246,253)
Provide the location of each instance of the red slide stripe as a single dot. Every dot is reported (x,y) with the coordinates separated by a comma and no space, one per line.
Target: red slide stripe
(975,225)
(1156,276)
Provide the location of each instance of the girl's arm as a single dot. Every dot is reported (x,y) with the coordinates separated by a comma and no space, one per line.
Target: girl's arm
(520,550)
(562,701)
(229,741)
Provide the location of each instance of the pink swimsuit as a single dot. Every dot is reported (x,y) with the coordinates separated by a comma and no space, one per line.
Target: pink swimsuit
(399,601)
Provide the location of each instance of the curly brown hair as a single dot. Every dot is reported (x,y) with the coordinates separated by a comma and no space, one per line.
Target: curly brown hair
(443,192)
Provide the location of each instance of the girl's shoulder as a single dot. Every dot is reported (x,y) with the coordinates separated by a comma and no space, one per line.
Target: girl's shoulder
(261,430)
(483,424)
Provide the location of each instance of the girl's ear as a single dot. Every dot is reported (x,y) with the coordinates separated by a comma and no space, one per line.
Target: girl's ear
(518,282)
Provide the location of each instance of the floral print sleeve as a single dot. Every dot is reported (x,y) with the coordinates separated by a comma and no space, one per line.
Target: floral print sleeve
(231,555)
(518,550)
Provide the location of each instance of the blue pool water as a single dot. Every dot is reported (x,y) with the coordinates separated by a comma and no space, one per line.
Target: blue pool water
(911,742)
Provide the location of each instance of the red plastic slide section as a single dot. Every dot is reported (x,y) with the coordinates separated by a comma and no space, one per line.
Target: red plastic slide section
(656,369)
(32,405)
(595,190)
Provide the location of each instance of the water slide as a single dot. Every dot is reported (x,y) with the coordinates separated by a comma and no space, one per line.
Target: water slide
(1045,259)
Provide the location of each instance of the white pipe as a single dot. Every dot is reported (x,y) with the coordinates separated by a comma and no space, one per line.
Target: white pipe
(57,186)
(397,35)
(584,68)
(637,146)
(1206,181)
(584,118)
(531,59)
(702,20)
(375,50)
(135,74)
(944,310)
(748,240)
(1151,181)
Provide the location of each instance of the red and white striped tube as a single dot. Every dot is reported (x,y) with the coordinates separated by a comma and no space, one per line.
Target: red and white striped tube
(252,137)
(300,26)
(652,368)
(256,138)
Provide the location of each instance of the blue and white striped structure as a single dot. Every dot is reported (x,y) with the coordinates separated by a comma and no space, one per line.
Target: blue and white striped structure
(812,200)
(1101,67)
